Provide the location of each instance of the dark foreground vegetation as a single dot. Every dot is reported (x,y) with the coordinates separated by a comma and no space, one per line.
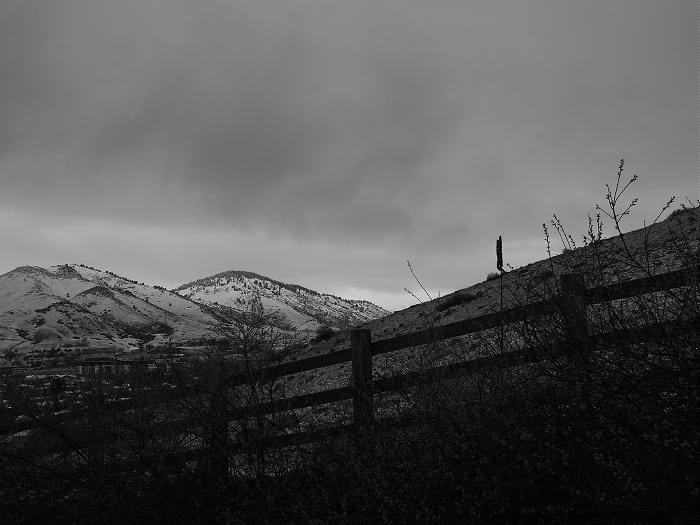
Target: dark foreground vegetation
(606,434)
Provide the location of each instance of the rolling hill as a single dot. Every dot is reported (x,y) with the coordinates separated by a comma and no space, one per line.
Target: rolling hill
(80,306)
(299,308)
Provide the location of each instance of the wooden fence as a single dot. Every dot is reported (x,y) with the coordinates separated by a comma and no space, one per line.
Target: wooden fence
(571,303)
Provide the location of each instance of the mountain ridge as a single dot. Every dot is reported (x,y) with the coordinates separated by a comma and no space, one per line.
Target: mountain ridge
(253,275)
(302,307)
(79,305)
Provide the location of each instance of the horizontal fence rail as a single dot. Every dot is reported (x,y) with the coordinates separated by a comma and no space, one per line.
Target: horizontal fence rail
(654,283)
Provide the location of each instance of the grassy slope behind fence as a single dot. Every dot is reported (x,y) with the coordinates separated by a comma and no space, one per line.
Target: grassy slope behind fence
(683,277)
(678,278)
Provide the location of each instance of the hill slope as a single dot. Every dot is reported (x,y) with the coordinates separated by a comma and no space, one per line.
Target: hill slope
(299,307)
(77,305)
(669,245)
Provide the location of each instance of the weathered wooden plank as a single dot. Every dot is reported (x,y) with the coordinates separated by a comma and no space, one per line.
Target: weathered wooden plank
(292,367)
(649,284)
(464,327)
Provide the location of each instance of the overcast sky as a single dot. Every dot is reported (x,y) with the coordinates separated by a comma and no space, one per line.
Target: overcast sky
(326,142)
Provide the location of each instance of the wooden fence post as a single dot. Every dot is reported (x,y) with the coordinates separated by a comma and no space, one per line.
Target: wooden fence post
(573,301)
(362,402)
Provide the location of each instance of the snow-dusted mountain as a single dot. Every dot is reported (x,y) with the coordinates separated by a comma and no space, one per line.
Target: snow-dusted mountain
(298,307)
(76,305)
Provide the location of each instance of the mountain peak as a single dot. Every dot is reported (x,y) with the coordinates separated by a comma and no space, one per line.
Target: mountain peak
(240,275)
(26,270)
(301,307)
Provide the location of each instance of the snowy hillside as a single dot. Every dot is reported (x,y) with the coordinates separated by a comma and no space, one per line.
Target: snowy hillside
(299,307)
(80,306)
(77,305)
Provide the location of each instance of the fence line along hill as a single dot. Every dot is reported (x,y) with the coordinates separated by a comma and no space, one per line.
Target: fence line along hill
(655,247)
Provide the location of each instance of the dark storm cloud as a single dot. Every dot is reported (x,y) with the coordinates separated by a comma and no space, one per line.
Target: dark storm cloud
(236,107)
(402,129)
